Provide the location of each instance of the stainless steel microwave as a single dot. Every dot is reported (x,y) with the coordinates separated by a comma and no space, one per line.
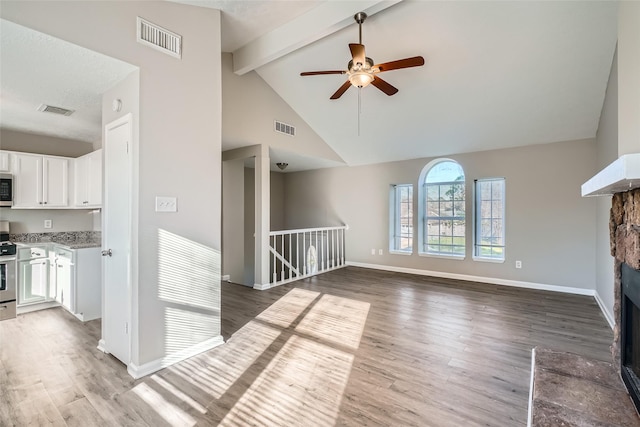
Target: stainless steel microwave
(6,189)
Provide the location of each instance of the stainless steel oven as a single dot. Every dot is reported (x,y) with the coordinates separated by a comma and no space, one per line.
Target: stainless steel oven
(6,189)
(8,281)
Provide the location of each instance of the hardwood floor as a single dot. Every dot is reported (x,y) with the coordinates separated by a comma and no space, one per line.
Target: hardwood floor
(352,347)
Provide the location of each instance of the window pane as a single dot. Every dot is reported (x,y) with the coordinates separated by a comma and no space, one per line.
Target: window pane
(401,218)
(444,209)
(489,238)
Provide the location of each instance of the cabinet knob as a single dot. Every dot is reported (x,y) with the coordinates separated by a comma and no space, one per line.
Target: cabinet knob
(107,252)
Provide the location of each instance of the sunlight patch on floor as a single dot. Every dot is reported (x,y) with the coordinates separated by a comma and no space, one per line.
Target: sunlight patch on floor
(302,385)
(216,371)
(287,309)
(173,415)
(178,393)
(336,320)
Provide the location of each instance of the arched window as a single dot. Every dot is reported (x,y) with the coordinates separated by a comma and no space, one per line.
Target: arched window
(442,209)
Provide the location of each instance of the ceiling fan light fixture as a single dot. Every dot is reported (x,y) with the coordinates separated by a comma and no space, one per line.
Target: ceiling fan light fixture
(360,78)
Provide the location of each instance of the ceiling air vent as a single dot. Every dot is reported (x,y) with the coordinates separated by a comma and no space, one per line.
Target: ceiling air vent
(55,110)
(284,128)
(159,38)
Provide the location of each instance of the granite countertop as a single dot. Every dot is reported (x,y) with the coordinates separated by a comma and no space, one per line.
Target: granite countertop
(70,240)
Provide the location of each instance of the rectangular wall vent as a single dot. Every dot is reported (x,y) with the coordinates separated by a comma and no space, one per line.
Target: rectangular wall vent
(159,38)
(55,110)
(284,128)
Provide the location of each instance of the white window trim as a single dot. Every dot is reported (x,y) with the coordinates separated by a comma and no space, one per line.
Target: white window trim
(475,220)
(451,257)
(394,215)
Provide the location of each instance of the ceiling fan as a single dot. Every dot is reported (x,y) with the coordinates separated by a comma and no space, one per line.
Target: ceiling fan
(361,70)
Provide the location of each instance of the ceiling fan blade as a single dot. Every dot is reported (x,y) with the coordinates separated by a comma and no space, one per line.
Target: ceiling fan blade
(415,61)
(342,90)
(384,86)
(316,73)
(357,52)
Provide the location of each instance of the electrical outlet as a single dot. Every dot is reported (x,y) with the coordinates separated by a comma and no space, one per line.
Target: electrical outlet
(166,204)
(518,264)
(48,223)
(373,251)
(379,251)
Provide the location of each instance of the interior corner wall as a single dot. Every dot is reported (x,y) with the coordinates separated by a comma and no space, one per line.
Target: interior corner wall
(277,208)
(549,226)
(250,108)
(606,152)
(180,128)
(233,220)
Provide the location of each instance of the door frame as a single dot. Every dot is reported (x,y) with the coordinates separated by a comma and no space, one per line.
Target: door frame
(127,118)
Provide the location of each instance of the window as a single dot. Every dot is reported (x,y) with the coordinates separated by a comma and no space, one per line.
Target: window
(489,224)
(401,219)
(442,209)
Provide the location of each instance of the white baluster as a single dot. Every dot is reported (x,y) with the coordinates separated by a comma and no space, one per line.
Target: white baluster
(275,272)
(282,253)
(304,253)
(290,259)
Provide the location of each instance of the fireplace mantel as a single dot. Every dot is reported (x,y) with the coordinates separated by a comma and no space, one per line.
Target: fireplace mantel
(620,176)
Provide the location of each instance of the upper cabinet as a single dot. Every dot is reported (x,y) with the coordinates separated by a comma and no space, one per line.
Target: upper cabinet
(88,180)
(5,164)
(40,181)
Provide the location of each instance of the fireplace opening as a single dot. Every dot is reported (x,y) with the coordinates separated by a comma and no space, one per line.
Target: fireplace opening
(630,332)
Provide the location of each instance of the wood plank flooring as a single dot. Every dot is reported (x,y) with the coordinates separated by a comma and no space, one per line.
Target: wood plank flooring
(353,347)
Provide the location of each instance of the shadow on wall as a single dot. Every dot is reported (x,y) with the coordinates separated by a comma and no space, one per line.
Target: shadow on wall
(189,283)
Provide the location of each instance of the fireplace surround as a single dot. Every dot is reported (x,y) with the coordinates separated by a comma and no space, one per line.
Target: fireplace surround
(630,332)
(624,229)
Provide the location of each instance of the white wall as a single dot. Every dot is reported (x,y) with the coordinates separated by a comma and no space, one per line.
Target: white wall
(32,220)
(607,152)
(12,140)
(177,154)
(628,72)
(233,220)
(251,106)
(549,225)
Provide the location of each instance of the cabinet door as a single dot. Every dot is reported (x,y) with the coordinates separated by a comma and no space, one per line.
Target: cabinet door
(33,281)
(64,278)
(80,167)
(5,166)
(56,182)
(94,183)
(27,181)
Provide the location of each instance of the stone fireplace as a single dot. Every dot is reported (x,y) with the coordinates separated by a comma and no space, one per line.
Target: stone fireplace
(624,229)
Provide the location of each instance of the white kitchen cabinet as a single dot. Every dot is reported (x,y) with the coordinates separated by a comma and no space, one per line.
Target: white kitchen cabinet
(64,278)
(88,284)
(5,164)
(88,180)
(40,181)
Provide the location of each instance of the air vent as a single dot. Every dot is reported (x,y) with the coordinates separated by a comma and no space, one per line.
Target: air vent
(159,38)
(55,110)
(284,128)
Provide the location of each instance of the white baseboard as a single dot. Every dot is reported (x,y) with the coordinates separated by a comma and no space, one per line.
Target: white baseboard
(155,365)
(533,366)
(491,280)
(101,347)
(226,278)
(604,310)
(261,287)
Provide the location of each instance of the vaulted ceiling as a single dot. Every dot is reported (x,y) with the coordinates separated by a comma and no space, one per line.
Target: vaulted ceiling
(497,74)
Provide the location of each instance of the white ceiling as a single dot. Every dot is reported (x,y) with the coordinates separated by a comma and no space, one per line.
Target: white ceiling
(37,68)
(243,21)
(497,74)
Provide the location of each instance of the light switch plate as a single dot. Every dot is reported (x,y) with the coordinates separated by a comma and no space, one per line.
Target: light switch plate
(48,223)
(166,204)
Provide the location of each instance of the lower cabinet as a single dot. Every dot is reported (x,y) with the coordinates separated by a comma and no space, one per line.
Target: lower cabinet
(72,277)
(78,281)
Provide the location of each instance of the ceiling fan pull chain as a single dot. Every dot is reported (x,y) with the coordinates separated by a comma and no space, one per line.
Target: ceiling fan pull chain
(359,107)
